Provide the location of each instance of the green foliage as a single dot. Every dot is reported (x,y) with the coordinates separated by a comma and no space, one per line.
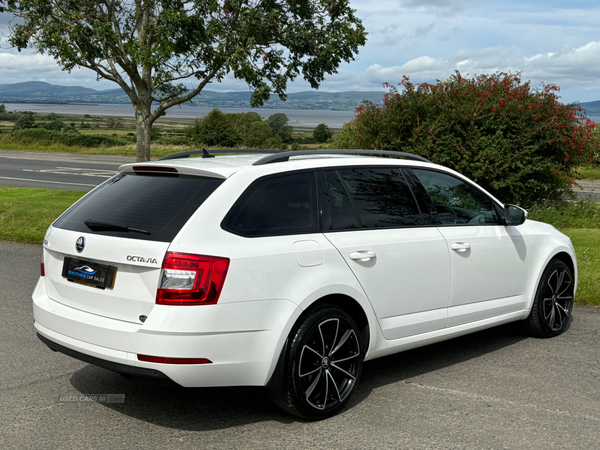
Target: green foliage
(55,125)
(45,137)
(257,134)
(214,129)
(218,129)
(563,214)
(519,143)
(2,108)
(295,146)
(346,138)
(322,133)
(279,126)
(148,47)
(25,121)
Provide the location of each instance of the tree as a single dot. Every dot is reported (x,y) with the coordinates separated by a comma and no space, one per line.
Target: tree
(2,108)
(24,122)
(322,133)
(149,47)
(258,133)
(279,125)
(214,129)
(520,143)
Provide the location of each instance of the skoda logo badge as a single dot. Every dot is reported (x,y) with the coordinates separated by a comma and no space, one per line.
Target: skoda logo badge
(80,244)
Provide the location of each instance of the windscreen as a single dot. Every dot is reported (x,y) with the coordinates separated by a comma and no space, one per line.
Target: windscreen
(139,206)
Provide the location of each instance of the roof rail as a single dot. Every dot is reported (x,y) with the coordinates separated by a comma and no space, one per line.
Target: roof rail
(285,155)
(206,154)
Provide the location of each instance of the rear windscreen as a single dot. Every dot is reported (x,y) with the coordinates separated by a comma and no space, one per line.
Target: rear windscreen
(152,207)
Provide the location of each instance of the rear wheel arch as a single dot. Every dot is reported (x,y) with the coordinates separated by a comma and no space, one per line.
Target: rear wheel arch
(352,308)
(276,386)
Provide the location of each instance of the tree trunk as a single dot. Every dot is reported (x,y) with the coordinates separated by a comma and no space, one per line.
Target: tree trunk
(143,128)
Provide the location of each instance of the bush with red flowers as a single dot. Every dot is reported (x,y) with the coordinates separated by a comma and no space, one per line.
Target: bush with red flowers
(521,144)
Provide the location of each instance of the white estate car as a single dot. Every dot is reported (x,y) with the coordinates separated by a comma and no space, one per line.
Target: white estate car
(289,270)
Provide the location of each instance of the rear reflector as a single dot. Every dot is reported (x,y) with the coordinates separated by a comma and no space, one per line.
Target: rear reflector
(163,360)
(191,279)
(42,270)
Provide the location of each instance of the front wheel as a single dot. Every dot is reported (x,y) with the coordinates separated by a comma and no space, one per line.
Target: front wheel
(553,304)
(323,364)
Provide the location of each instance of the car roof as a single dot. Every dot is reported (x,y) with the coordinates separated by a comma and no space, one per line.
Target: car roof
(224,166)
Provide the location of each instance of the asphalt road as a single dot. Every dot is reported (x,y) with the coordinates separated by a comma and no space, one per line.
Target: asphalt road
(497,389)
(84,172)
(57,170)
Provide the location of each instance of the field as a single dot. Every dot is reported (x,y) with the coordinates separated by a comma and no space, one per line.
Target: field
(99,135)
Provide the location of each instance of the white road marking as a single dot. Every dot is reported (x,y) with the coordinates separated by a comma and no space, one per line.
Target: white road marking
(76,171)
(44,181)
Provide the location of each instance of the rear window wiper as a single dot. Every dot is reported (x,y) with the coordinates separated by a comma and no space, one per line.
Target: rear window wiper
(96,225)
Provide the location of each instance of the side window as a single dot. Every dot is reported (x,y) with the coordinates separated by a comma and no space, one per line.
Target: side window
(276,206)
(343,216)
(457,202)
(381,197)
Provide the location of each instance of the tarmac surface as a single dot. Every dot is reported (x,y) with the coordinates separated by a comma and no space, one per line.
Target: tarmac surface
(496,389)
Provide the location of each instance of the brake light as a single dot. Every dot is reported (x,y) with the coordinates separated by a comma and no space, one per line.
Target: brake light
(154,169)
(163,360)
(191,279)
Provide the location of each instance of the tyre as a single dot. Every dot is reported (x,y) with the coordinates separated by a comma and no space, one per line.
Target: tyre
(323,364)
(553,303)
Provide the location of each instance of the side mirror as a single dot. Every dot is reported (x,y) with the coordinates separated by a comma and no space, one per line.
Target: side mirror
(513,215)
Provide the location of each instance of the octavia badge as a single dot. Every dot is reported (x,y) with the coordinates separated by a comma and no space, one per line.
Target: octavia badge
(80,244)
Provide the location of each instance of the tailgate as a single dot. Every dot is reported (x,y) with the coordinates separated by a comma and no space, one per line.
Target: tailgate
(135,265)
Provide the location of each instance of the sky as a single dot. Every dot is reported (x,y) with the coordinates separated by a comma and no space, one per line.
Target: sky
(548,41)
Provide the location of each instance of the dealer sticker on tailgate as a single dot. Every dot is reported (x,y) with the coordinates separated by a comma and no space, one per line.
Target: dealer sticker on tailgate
(89,273)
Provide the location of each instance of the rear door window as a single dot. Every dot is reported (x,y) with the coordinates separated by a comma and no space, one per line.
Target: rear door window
(274,206)
(152,207)
(381,197)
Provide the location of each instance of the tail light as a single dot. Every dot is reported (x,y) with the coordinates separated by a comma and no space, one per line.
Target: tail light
(42,268)
(191,279)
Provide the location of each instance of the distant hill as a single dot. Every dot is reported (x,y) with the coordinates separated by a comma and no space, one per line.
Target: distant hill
(40,92)
(591,108)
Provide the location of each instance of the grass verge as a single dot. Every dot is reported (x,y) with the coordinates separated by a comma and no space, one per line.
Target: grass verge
(588,173)
(25,214)
(587,247)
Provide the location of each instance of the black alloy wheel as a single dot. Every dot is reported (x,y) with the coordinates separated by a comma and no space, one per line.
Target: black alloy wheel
(323,365)
(553,303)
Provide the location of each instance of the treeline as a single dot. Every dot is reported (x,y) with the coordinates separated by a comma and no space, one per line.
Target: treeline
(51,130)
(230,130)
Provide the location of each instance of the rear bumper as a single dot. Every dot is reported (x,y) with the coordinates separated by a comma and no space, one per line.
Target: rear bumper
(242,340)
(115,367)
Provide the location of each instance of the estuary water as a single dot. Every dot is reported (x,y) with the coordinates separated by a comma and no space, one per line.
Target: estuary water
(299,118)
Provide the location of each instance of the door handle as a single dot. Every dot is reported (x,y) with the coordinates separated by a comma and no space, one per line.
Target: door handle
(460,246)
(362,255)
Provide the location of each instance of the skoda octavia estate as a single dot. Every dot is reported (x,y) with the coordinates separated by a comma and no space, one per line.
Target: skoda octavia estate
(289,270)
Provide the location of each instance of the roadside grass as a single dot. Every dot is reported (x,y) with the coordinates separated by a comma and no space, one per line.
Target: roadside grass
(158,150)
(587,248)
(577,214)
(588,173)
(25,214)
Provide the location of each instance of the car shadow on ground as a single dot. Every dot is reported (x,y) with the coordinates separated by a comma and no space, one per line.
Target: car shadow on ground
(204,409)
